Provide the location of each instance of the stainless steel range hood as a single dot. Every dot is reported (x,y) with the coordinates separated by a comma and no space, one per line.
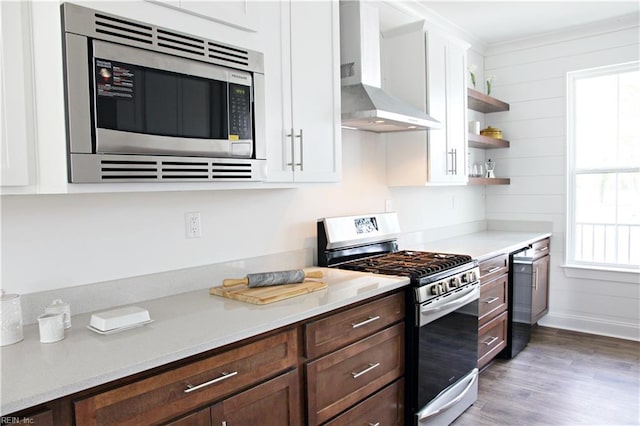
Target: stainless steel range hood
(365,105)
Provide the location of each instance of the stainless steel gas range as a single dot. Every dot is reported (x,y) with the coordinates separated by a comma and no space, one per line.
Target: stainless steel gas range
(441,372)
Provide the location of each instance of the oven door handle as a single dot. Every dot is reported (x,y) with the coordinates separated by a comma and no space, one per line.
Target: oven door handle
(429,413)
(450,306)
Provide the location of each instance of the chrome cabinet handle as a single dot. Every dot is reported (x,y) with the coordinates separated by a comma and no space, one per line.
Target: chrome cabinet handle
(301,163)
(494,269)
(543,248)
(225,376)
(293,158)
(535,280)
(365,322)
(490,341)
(491,300)
(374,424)
(455,161)
(366,370)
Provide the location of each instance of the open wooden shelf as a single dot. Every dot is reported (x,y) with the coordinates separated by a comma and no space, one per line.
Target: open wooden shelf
(486,142)
(480,102)
(488,181)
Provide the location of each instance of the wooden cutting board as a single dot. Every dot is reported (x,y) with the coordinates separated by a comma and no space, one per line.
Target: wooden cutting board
(270,294)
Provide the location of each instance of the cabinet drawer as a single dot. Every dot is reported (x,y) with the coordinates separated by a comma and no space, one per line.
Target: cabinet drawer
(494,267)
(492,338)
(333,332)
(493,298)
(541,248)
(167,395)
(384,408)
(345,377)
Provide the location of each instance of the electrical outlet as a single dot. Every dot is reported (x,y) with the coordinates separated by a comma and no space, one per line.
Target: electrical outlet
(193,226)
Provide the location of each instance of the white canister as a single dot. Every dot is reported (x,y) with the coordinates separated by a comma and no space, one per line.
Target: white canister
(60,307)
(474,127)
(10,319)
(51,327)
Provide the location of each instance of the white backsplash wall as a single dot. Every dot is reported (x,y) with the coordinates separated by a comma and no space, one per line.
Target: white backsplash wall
(530,76)
(55,241)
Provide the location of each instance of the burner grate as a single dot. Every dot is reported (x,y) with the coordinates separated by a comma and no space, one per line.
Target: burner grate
(415,264)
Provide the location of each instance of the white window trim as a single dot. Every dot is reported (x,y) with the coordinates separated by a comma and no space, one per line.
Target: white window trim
(572,267)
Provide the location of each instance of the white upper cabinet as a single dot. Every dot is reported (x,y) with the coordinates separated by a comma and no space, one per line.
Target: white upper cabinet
(309,149)
(427,69)
(14,95)
(237,13)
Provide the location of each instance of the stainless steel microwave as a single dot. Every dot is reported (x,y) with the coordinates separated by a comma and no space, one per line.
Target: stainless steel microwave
(149,104)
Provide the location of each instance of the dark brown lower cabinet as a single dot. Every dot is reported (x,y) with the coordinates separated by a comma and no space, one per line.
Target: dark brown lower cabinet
(273,403)
(383,408)
(199,418)
(540,289)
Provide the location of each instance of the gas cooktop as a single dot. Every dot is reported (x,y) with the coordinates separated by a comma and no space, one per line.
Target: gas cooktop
(415,264)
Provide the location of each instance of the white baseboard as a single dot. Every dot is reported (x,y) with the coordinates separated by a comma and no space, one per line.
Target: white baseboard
(599,326)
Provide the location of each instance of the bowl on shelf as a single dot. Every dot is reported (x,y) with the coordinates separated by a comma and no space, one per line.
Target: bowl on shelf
(491,132)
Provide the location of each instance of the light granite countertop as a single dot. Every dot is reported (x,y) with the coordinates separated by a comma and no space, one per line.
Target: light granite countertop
(194,322)
(183,325)
(481,245)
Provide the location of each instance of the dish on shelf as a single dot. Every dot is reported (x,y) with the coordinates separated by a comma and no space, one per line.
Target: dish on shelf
(491,132)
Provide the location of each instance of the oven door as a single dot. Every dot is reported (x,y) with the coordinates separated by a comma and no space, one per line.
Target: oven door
(152,103)
(448,356)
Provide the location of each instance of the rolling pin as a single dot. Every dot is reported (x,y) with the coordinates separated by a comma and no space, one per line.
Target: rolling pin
(264,279)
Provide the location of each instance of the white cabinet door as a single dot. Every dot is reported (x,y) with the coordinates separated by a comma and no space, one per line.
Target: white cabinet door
(241,14)
(447,98)
(457,112)
(14,95)
(433,67)
(311,138)
(437,98)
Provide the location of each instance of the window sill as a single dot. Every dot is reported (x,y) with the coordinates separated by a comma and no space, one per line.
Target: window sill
(631,276)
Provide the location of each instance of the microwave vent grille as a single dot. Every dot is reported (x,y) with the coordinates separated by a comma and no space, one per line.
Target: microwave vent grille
(165,40)
(175,170)
(121,28)
(229,54)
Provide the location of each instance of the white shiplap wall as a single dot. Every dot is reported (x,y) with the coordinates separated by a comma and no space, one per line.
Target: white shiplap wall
(530,76)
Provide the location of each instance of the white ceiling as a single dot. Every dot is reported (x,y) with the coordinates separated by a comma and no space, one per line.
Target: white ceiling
(492,22)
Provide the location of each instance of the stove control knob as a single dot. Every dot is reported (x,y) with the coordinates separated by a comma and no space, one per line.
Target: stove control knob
(465,278)
(472,276)
(436,290)
(454,282)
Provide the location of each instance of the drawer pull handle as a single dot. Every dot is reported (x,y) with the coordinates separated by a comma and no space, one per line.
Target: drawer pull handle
(490,341)
(543,248)
(374,424)
(365,322)
(366,370)
(491,300)
(494,269)
(225,376)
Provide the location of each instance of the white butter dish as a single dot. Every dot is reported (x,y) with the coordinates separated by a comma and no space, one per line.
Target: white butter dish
(119,318)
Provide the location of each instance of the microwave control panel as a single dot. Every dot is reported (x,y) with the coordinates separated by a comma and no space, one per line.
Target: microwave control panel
(239,112)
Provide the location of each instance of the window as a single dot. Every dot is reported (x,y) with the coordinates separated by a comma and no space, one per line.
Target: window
(603,173)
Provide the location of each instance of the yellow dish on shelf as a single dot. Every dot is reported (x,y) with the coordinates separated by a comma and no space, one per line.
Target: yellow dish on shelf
(491,132)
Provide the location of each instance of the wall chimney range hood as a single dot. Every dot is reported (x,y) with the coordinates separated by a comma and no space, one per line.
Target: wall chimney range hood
(365,106)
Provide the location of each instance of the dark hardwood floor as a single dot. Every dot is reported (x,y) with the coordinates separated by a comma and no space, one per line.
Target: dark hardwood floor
(561,378)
